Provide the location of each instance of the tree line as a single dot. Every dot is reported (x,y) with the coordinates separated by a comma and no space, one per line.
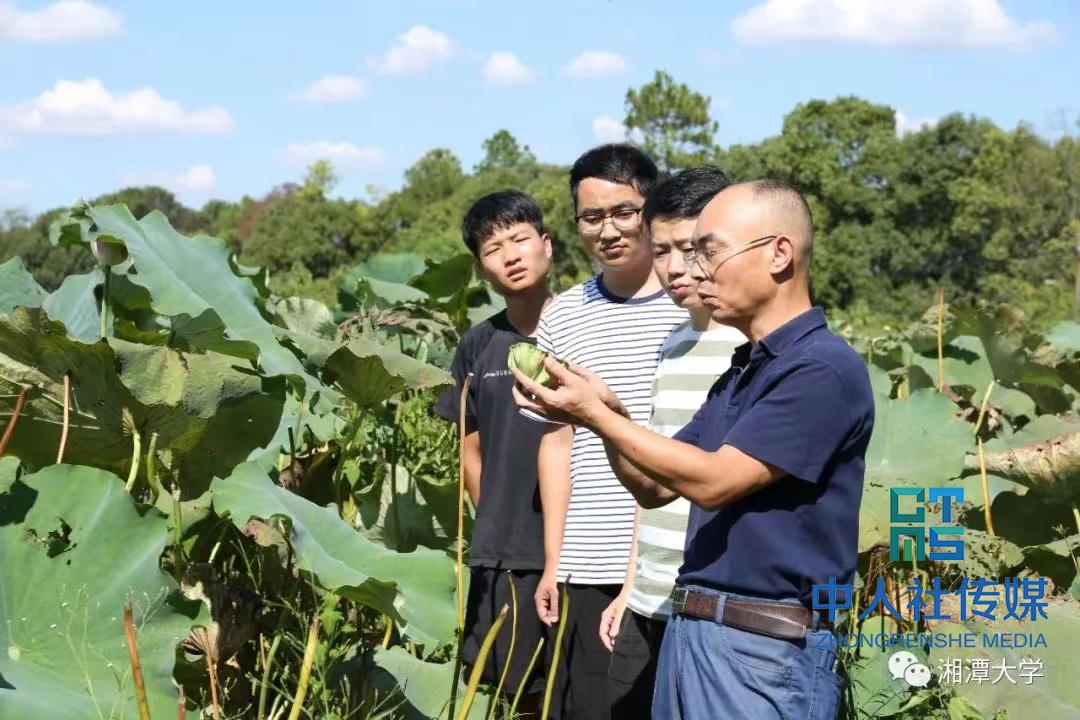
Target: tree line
(989,215)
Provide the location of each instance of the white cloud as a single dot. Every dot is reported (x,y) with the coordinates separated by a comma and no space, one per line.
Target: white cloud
(198,180)
(905,124)
(88,108)
(59,22)
(417,49)
(504,68)
(914,23)
(13,189)
(608,129)
(344,156)
(333,89)
(596,65)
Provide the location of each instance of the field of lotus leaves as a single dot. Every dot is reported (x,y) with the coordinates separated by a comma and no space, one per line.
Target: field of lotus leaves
(217,502)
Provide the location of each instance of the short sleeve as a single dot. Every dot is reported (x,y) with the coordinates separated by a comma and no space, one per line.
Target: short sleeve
(447,406)
(799,424)
(544,341)
(691,432)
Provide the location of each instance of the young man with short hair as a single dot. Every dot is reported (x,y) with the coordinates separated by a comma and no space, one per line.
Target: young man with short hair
(693,356)
(614,323)
(505,232)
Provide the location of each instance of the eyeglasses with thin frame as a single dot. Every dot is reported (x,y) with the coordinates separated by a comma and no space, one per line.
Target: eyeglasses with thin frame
(707,260)
(623,219)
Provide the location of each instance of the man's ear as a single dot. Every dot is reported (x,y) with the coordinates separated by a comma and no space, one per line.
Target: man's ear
(783,259)
(548,252)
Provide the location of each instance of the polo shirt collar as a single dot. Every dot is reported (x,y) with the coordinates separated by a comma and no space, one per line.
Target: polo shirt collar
(798,327)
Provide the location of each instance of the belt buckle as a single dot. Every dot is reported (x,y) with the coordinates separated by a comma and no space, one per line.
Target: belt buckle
(678,599)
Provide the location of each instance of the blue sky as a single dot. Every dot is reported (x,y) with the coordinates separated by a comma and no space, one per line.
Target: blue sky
(225,99)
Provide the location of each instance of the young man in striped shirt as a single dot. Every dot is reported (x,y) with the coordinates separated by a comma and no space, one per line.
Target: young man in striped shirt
(614,323)
(693,356)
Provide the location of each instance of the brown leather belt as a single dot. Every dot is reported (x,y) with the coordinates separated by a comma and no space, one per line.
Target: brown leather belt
(779,620)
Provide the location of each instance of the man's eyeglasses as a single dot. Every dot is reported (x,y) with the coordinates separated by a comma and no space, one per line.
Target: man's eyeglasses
(623,219)
(710,261)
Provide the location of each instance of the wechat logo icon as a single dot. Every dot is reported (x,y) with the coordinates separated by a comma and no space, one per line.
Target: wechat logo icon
(904,665)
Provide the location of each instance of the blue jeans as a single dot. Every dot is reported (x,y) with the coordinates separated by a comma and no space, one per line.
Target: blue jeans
(708,671)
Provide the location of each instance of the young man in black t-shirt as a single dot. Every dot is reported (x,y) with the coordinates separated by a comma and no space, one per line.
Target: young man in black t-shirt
(505,231)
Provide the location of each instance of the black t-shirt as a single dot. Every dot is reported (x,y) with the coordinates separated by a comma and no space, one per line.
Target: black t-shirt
(508,531)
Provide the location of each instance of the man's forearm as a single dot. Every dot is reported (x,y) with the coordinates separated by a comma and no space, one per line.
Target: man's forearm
(650,463)
(647,492)
(553,470)
(473,464)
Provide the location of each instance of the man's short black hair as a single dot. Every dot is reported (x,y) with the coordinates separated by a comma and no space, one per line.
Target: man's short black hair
(685,194)
(497,211)
(618,163)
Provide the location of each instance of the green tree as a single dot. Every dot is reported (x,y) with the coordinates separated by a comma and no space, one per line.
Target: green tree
(502,152)
(321,235)
(673,120)
(320,179)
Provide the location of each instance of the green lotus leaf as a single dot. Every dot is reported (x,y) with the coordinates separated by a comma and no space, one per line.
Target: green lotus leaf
(75,549)
(426,685)
(1054,695)
(190,275)
(369,373)
(385,279)
(307,316)
(443,279)
(208,413)
(876,692)
(918,442)
(73,303)
(415,588)
(18,288)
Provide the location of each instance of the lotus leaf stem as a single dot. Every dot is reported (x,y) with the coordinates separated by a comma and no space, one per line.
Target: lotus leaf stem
(136,453)
(984,406)
(211,670)
(136,666)
(267,667)
(67,419)
(941,340)
(105,301)
(525,678)
(478,666)
(389,631)
(555,655)
(461,506)
(151,470)
(510,652)
(10,430)
(305,669)
(985,489)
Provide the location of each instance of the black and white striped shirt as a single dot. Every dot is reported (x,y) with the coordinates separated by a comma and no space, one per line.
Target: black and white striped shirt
(619,339)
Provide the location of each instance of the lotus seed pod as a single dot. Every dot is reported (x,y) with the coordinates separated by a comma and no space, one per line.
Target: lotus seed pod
(529,359)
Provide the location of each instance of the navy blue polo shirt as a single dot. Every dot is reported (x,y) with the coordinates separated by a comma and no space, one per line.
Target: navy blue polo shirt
(800,399)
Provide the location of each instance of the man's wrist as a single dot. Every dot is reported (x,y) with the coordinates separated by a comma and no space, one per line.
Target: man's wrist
(596,413)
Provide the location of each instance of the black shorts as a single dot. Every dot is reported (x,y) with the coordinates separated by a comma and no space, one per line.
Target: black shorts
(489,590)
(632,671)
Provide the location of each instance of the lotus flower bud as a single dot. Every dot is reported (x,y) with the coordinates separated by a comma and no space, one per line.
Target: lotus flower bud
(108,254)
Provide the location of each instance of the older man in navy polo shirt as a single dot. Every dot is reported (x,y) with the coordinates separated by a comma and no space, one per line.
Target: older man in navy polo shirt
(773,463)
